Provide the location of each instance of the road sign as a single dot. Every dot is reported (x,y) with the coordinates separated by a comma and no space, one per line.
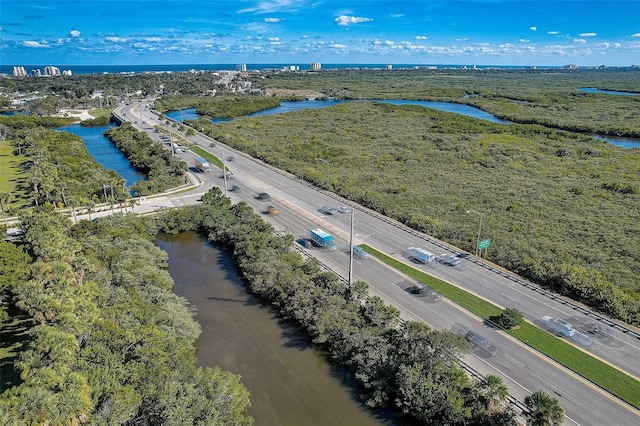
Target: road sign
(484,244)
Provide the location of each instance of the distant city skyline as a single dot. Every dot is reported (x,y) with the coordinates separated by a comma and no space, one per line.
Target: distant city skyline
(483,32)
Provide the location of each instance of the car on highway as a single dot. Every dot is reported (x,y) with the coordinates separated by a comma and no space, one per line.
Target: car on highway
(343,209)
(420,289)
(234,188)
(328,210)
(212,145)
(479,341)
(558,326)
(228,175)
(230,158)
(264,196)
(359,252)
(272,210)
(449,259)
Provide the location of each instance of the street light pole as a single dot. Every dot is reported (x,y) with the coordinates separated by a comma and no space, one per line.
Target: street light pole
(479,228)
(322,159)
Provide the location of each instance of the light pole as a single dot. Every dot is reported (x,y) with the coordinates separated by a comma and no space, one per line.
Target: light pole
(479,228)
(322,159)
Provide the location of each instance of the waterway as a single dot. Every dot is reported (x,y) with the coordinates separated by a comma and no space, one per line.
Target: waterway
(607,92)
(290,382)
(104,151)
(289,106)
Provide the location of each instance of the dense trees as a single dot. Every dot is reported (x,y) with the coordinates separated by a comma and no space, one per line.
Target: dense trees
(548,97)
(543,192)
(404,366)
(163,170)
(218,107)
(111,343)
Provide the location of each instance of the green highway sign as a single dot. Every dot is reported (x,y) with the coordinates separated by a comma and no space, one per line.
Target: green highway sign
(484,244)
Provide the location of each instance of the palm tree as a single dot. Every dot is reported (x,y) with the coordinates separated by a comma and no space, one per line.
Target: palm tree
(545,410)
(3,196)
(493,391)
(90,205)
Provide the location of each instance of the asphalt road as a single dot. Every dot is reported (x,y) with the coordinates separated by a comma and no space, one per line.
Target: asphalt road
(523,369)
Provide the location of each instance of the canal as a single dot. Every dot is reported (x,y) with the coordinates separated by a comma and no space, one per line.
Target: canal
(290,382)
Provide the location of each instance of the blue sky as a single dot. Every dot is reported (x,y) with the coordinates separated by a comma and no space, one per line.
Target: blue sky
(482,32)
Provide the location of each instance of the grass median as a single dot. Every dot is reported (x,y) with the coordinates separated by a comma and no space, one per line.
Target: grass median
(600,373)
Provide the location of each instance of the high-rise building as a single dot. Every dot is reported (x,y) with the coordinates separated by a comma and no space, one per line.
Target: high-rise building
(67,72)
(51,71)
(36,72)
(19,72)
(241,67)
(316,66)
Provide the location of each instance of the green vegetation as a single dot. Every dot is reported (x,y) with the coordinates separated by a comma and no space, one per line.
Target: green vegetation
(594,370)
(219,107)
(163,170)
(54,167)
(406,367)
(98,121)
(547,97)
(509,318)
(544,410)
(109,343)
(543,192)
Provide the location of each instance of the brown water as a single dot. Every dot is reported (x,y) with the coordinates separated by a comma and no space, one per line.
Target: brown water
(290,382)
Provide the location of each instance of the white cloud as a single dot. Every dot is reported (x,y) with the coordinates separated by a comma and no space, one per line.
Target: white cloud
(153,39)
(273,38)
(74,33)
(635,35)
(348,20)
(523,40)
(533,28)
(338,46)
(588,35)
(553,32)
(421,37)
(272,20)
(397,15)
(579,40)
(116,39)
(37,44)
(605,45)
(617,45)
(274,5)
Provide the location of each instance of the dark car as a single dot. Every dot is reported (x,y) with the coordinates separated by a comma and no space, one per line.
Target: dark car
(264,196)
(234,188)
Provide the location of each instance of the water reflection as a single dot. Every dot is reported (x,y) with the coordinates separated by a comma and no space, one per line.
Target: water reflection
(290,382)
(104,151)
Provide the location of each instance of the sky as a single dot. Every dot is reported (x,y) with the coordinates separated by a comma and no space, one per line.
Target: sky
(429,32)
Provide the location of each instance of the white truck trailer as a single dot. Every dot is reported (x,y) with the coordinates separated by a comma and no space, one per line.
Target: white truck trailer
(202,165)
(420,255)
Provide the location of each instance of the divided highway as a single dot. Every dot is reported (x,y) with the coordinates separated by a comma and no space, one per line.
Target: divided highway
(522,369)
